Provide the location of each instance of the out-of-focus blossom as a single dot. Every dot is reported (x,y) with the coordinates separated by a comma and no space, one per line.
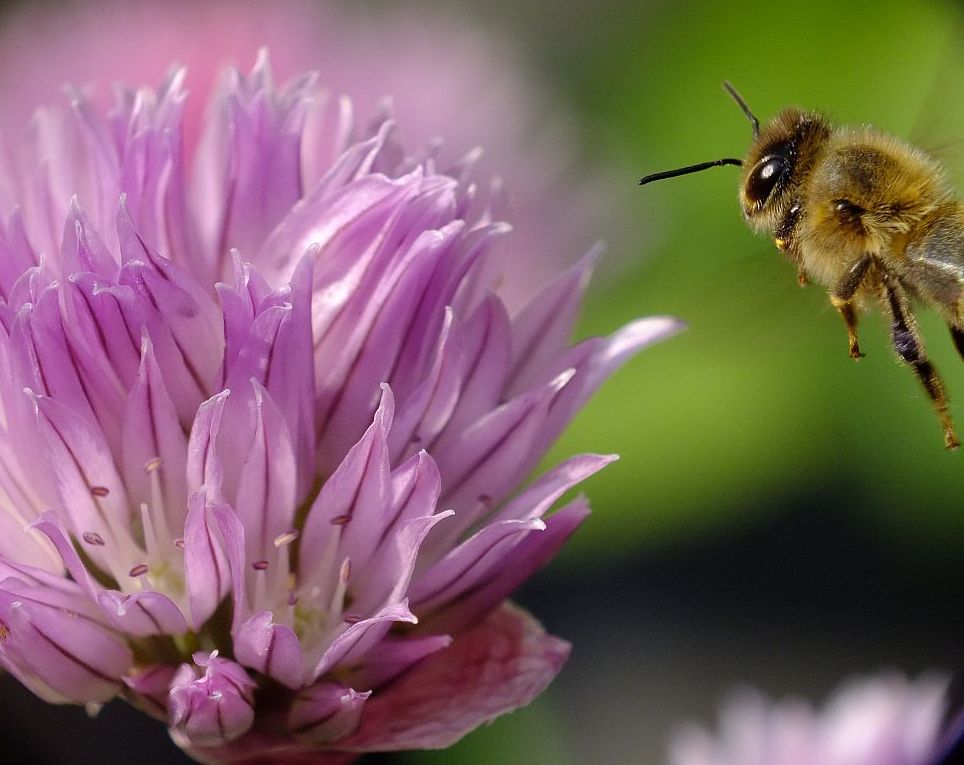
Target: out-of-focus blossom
(438,72)
(878,721)
(264,427)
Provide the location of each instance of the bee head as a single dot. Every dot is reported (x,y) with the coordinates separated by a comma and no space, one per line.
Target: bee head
(780,157)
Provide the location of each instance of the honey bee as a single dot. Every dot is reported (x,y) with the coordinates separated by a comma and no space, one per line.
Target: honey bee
(868,216)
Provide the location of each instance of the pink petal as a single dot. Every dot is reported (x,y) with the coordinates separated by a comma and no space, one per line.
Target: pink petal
(42,359)
(142,613)
(536,499)
(82,248)
(265,500)
(292,380)
(151,686)
(205,563)
(530,554)
(392,657)
(502,664)
(358,638)
(154,444)
(386,578)
(399,302)
(91,491)
(354,501)
(326,712)
(427,411)
(214,708)
(594,361)
(99,314)
(487,356)
(471,562)
(271,649)
(77,659)
(16,254)
(487,460)
(203,466)
(20,545)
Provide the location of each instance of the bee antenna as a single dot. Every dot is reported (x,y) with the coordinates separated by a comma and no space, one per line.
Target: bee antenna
(743,105)
(689,169)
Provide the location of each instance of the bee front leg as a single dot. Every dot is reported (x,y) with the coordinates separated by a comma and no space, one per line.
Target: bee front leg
(910,347)
(842,297)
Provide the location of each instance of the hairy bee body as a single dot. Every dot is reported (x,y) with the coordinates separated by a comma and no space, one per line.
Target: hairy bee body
(862,191)
(869,216)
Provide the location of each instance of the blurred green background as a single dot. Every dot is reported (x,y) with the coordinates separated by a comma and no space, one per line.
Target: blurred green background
(781,515)
(759,398)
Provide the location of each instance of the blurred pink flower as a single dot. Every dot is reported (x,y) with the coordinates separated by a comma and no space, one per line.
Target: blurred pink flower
(266,427)
(445,77)
(878,721)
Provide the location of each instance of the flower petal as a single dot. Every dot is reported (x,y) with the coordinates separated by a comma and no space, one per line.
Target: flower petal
(530,554)
(488,459)
(271,649)
(212,709)
(154,444)
(92,495)
(502,664)
(205,563)
(326,712)
(76,659)
(469,563)
(594,361)
(361,636)
(142,613)
(203,465)
(392,657)
(355,499)
(151,686)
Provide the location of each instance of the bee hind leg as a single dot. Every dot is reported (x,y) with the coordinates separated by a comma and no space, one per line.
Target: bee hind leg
(910,347)
(842,297)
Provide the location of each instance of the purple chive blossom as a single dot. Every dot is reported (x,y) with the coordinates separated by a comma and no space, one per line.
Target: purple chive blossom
(265,423)
(878,721)
(448,78)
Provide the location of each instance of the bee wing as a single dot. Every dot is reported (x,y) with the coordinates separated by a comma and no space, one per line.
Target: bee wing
(936,267)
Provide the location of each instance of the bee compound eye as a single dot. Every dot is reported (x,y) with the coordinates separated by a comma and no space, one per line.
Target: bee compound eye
(764,178)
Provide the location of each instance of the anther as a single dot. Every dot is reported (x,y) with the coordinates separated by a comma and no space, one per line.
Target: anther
(99,491)
(179,543)
(138,570)
(340,520)
(287,538)
(93,538)
(259,565)
(351,618)
(152,464)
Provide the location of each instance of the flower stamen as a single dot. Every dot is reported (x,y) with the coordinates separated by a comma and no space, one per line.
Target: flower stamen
(287,538)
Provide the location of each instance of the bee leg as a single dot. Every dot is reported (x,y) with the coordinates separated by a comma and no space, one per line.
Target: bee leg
(957,335)
(910,347)
(842,297)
